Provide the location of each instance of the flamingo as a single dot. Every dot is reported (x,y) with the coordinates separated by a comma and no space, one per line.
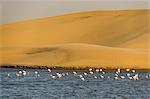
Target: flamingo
(17,74)
(49,70)
(133,71)
(38,75)
(122,77)
(118,70)
(116,78)
(136,77)
(24,73)
(85,74)
(82,79)
(102,76)
(36,72)
(97,70)
(91,72)
(128,74)
(53,77)
(20,72)
(75,73)
(127,69)
(95,77)
(80,76)
(108,77)
(90,69)
(116,75)
(101,70)
(59,75)
(130,78)
(146,76)
(8,75)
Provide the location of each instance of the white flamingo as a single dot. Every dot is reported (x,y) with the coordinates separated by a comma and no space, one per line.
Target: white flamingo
(75,73)
(116,75)
(102,76)
(82,79)
(130,78)
(85,74)
(20,72)
(118,70)
(101,70)
(91,72)
(53,77)
(90,69)
(80,76)
(136,77)
(8,75)
(146,76)
(97,70)
(49,70)
(122,77)
(36,72)
(95,77)
(116,78)
(17,74)
(59,75)
(38,75)
(127,69)
(24,73)
(128,74)
(133,71)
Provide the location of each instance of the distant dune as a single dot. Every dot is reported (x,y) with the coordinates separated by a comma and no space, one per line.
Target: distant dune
(101,39)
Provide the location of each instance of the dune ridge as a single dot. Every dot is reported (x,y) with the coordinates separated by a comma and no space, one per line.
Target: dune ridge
(101,39)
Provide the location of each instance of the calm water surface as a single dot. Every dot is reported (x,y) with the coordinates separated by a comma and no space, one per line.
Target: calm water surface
(42,86)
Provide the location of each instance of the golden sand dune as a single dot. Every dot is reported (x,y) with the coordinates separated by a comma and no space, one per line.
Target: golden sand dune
(107,28)
(81,55)
(108,39)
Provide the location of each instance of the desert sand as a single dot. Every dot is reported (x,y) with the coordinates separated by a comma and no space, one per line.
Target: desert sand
(98,39)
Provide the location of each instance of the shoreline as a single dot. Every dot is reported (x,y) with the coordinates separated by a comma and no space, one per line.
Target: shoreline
(68,68)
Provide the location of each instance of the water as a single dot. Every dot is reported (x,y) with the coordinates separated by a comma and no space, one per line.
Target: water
(34,86)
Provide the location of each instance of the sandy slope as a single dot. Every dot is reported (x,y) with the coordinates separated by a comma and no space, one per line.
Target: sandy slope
(108,28)
(109,39)
(81,55)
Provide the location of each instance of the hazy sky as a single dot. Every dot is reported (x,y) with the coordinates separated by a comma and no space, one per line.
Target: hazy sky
(16,10)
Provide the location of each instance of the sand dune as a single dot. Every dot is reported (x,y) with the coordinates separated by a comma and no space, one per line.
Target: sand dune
(79,55)
(108,39)
(107,28)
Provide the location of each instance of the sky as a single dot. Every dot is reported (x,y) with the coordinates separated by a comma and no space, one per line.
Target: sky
(18,10)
